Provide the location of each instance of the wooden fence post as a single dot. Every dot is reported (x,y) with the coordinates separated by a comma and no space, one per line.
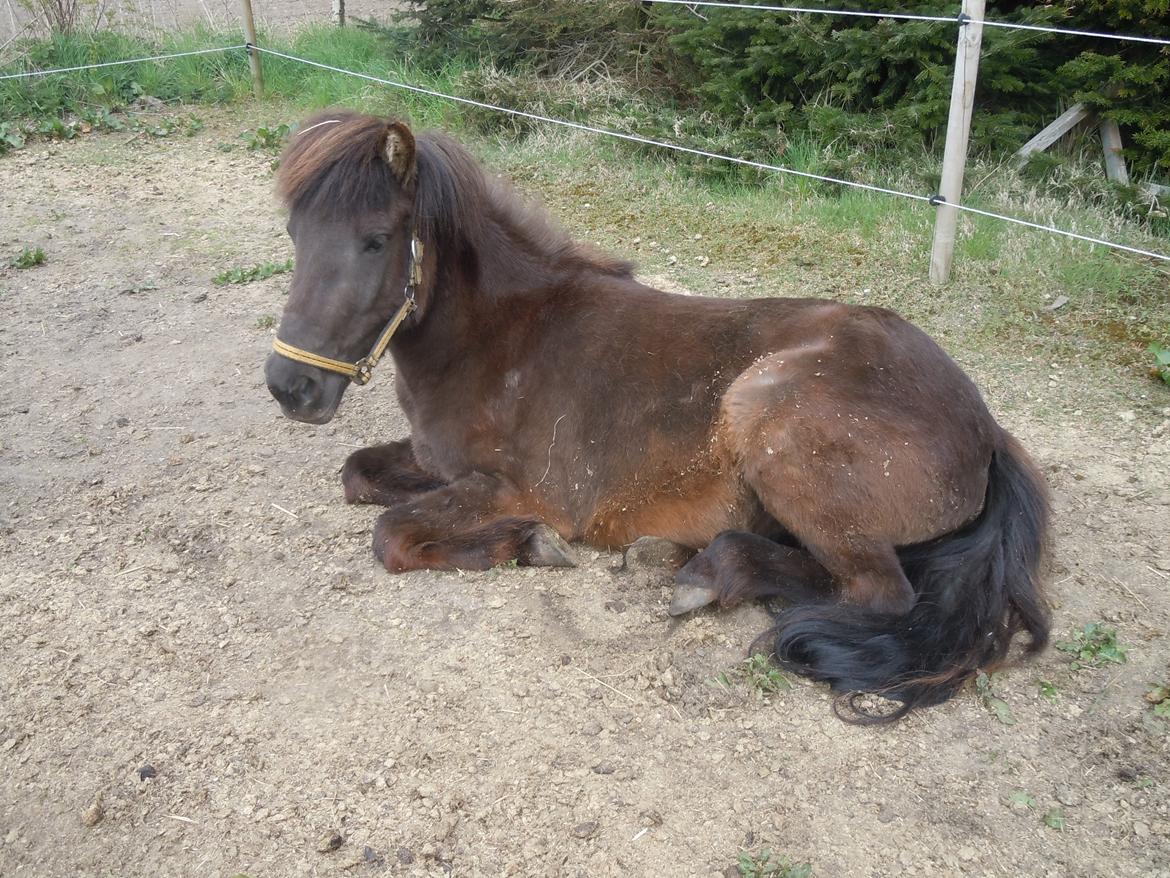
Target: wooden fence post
(339,13)
(253,55)
(1111,143)
(958,132)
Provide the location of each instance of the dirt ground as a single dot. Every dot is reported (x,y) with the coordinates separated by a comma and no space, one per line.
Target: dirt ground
(184,590)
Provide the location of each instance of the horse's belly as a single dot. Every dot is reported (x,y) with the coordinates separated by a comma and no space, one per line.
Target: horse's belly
(690,514)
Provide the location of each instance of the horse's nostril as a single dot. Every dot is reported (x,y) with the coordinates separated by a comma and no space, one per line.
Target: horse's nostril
(299,394)
(303,393)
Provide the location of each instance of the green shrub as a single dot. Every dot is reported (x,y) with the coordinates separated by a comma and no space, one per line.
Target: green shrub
(872,84)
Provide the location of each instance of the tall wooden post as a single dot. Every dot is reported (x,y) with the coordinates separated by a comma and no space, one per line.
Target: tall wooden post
(958,133)
(339,13)
(253,55)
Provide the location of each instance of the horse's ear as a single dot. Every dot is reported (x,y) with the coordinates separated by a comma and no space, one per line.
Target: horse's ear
(399,151)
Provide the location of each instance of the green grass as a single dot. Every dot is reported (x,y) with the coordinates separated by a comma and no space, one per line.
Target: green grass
(1093,646)
(760,233)
(1054,819)
(215,78)
(269,138)
(1161,365)
(1158,697)
(766,864)
(263,271)
(29,257)
(758,673)
(984,684)
(1022,797)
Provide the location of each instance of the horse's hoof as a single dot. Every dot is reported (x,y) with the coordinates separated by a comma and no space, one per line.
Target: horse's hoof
(546,548)
(690,597)
(650,552)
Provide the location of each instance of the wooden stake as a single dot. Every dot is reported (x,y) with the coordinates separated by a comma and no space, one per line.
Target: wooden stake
(958,133)
(253,55)
(1111,143)
(1063,124)
(339,13)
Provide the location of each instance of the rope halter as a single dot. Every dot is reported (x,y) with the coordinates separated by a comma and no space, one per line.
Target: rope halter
(361,371)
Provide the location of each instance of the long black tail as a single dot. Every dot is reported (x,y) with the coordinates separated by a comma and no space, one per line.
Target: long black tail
(976,588)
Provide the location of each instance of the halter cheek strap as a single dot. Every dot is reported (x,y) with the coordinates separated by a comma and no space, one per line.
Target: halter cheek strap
(361,371)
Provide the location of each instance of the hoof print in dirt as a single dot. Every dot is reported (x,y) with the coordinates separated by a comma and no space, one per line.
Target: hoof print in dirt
(655,553)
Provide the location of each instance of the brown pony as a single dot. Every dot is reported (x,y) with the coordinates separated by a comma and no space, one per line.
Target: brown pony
(826,455)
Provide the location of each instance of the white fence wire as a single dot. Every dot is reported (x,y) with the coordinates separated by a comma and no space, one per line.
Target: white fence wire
(899,16)
(28,74)
(933,200)
(635,138)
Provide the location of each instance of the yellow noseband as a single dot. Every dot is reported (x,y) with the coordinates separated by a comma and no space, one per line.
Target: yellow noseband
(361,371)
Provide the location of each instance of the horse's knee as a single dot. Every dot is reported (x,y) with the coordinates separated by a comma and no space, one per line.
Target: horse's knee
(356,478)
(385,475)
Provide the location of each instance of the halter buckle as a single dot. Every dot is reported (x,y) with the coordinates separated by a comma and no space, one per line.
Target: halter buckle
(416,257)
(363,370)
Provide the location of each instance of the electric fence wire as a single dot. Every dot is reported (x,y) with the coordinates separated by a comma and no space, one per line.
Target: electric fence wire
(900,16)
(25,74)
(635,138)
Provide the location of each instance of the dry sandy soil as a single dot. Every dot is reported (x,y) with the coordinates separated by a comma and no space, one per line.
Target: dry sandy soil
(183,588)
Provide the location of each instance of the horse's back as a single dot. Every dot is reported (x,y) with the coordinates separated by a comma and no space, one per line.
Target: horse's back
(733,407)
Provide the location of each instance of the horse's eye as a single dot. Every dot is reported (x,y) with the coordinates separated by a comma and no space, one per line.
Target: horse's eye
(374,245)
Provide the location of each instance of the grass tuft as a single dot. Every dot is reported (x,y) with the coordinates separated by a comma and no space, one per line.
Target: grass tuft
(766,864)
(263,271)
(758,673)
(28,258)
(1093,646)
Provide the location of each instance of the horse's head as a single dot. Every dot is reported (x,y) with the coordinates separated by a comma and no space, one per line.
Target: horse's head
(349,184)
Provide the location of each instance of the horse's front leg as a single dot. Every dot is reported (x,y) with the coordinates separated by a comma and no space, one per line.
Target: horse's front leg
(385,475)
(473,523)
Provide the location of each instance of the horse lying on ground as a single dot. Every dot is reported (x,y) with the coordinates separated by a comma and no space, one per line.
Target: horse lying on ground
(828,456)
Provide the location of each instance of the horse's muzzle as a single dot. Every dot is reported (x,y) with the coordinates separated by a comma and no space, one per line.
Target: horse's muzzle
(305,393)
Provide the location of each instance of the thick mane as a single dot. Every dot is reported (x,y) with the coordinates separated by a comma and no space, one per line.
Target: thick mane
(335,163)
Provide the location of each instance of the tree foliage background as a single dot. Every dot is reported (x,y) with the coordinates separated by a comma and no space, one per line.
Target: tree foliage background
(875,83)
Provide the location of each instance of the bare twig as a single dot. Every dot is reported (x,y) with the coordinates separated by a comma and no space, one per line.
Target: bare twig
(287,512)
(607,686)
(1130,592)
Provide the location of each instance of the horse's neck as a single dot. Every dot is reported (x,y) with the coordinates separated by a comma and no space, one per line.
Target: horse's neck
(513,260)
(476,300)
